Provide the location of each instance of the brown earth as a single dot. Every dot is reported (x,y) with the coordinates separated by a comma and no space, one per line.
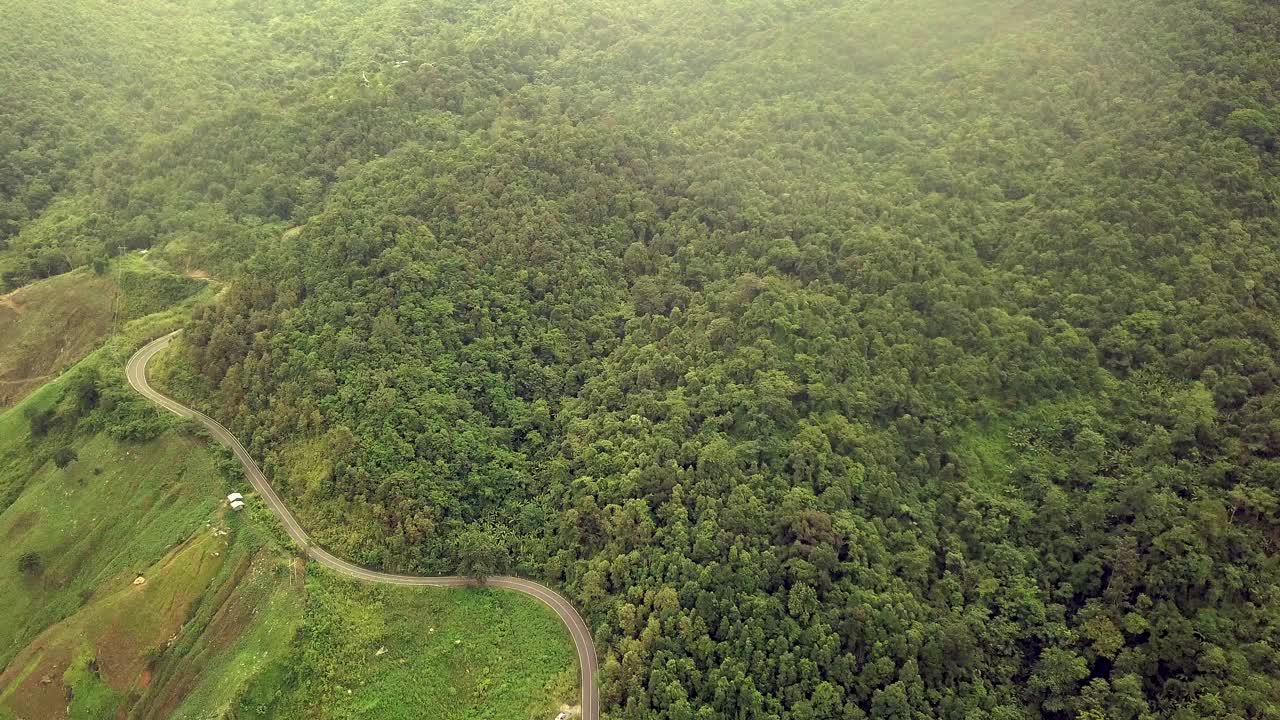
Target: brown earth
(48,326)
(232,617)
(34,698)
(119,628)
(22,524)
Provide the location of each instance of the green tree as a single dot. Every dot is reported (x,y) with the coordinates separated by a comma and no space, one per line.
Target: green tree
(1255,126)
(480,552)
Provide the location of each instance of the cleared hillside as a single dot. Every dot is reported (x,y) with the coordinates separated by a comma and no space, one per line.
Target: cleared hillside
(50,325)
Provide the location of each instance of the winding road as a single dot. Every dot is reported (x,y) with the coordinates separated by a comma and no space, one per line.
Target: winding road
(136,370)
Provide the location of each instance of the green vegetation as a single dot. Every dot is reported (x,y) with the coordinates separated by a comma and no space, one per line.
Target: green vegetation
(481,552)
(137,637)
(76,415)
(388,652)
(88,86)
(92,698)
(235,640)
(125,588)
(839,359)
(30,563)
(52,324)
(64,456)
(108,516)
(221,610)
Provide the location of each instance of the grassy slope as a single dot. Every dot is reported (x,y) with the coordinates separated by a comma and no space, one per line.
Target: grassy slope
(117,511)
(101,519)
(462,653)
(104,650)
(50,325)
(224,623)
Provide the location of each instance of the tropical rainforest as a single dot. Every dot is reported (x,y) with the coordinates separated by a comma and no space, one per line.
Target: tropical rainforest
(839,359)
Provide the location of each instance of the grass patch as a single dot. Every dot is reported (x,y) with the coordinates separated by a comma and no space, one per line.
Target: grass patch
(91,698)
(240,639)
(371,651)
(22,455)
(146,289)
(114,511)
(986,455)
(48,326)
(88,624)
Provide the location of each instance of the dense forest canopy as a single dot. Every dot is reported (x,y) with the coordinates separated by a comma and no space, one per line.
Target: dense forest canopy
(840,359)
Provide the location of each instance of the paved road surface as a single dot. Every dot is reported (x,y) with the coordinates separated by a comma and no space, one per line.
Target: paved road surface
(136,371)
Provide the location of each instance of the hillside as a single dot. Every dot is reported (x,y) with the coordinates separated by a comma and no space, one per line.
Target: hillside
(91,88)
(838,359)
(129,590)
(50,325)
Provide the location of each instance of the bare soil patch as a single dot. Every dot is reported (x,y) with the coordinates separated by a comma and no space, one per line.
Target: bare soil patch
(49,326)
(35,698)
(22,524)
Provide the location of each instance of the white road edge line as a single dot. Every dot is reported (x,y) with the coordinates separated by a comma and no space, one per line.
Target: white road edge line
(136,373)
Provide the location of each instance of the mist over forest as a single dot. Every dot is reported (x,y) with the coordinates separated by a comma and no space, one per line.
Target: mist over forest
(837,359)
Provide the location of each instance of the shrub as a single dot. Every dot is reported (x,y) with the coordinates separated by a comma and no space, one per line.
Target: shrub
(87,393)
(30,563)
(41,422)
(64,456)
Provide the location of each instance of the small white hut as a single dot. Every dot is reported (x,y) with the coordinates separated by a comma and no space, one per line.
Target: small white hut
(236,500)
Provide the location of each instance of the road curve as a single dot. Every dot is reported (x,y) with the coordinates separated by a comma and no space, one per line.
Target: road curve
(136,371)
